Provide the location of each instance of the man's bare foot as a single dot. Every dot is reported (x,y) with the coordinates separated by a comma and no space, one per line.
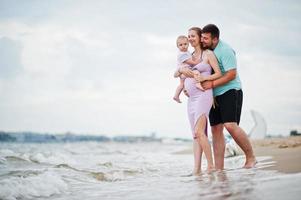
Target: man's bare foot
(250,163)
(199,86)
(177,99)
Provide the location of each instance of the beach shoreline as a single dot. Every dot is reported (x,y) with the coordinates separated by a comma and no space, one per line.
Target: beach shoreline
(285,152)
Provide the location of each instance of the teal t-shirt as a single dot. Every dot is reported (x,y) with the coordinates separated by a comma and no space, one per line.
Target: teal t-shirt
(226,60)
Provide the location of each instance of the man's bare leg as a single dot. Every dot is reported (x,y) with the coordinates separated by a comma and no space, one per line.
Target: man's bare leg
(241,138)
(218,141)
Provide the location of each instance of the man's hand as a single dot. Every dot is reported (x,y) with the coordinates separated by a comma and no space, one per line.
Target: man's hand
(207,85)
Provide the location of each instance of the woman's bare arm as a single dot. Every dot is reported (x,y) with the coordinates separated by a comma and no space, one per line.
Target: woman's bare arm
(214,64)
(221,80)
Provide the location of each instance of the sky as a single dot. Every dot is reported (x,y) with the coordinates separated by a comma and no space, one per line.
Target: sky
(106,67)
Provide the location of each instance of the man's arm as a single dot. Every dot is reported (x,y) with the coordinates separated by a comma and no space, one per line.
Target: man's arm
(227,77)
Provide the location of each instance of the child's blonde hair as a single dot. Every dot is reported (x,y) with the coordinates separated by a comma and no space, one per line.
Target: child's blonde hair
(181,37)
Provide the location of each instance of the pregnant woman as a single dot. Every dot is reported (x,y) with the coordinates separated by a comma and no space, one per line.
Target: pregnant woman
(200,102)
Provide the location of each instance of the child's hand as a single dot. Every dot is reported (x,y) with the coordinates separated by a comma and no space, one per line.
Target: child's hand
(200,78)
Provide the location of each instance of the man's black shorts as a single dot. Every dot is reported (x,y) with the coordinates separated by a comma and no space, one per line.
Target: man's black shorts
(227,108)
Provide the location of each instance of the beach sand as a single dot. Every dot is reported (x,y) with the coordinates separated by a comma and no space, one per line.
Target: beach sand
(285,152)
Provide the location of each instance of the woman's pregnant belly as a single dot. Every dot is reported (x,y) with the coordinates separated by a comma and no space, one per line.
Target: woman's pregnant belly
(192,90)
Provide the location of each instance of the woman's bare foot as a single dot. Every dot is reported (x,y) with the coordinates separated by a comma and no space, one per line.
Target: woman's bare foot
(250,163)
(210,168)
(199,86)
(177,99)
(196,173)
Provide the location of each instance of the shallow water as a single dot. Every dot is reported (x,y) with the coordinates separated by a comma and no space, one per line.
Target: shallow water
(136,171)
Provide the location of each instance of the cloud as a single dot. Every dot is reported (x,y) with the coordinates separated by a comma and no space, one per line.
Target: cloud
(10,58)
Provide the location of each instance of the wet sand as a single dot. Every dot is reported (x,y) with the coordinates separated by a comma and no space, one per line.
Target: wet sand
(286,152)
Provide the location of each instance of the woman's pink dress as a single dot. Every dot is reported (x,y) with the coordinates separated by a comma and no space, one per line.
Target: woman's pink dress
(199,102)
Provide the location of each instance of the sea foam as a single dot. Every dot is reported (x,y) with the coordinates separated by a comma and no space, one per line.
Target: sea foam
(41,185)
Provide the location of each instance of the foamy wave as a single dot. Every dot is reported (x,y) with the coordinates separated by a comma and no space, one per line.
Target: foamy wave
(110,176)
(116,175)
(2,160)
(42,185)
(6,152)
(52,158)
(9,155)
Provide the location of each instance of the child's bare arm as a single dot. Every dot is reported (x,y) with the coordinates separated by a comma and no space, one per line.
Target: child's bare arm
(192,62)
(187,72)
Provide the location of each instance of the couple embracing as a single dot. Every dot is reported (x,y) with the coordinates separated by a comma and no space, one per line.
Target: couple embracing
(212,84)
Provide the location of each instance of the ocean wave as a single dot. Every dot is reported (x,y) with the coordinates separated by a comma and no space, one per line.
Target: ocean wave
(115,175)
(109,176)
(66,166)
(7,152)
(22,173)
(51,158)
(106,164)
(7,155)
(32,186)
(2,160)
(54,158)
(16,158)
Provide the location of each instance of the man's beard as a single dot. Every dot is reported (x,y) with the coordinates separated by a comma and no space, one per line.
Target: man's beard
(206,47)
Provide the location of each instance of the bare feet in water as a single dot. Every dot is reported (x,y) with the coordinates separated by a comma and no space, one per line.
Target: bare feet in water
(196,172)
(250,163)
(177,99)
(210,168)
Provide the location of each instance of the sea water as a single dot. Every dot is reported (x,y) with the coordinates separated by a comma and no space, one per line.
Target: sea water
(135,171)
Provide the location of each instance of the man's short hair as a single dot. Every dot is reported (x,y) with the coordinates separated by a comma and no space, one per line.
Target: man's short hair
(211,28)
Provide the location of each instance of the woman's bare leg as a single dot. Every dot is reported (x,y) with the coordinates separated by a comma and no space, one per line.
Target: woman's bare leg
(203,141)
(197,151)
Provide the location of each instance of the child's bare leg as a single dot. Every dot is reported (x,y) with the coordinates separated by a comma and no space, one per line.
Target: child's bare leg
(198,77)
(179,90)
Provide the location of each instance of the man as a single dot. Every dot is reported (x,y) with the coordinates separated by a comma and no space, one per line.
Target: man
(228,99)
